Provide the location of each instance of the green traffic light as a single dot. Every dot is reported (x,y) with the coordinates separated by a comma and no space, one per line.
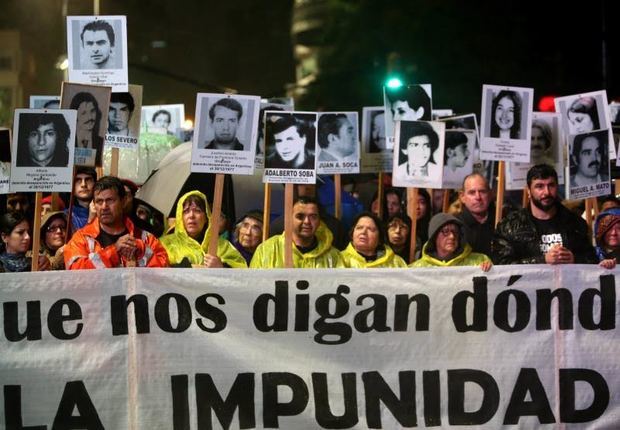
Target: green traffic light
(394,83)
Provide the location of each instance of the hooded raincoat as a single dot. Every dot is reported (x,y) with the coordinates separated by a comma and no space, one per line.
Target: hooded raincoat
(355,260)
(180,245)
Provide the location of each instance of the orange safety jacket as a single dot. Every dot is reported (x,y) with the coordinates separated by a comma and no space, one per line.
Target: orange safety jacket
(84,252)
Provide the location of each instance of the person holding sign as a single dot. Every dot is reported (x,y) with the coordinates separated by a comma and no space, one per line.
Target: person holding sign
(312,242)
(290,142)
(111,239)
(607,234)
(367,248)
(43,140)
(446,246)
(187,245)
(506,110)
(477,213)
(544,232)
(16,241)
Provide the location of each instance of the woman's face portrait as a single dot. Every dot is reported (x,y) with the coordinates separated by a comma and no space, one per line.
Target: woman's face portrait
(579,122)
(505,113)
(289,143)
(419,150)
(42,144)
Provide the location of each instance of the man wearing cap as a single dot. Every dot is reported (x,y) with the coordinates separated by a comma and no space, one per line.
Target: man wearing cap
(446,246)
(248,234)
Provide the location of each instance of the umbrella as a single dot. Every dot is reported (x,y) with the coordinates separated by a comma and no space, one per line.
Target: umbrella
(172,178)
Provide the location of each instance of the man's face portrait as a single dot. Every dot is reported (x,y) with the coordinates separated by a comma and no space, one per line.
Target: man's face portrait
(289,143)
(42,144)
(377,131)
(345,141)
(225,123)
(97,47)
(539,143)
(458,155)
(589,158)
(86,116)
(402,111)
(118,117)
(418,150)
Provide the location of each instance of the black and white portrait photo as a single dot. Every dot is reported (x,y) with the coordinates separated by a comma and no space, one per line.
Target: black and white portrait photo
(586,112)
(225,133)
(92,104)
(506,123)
(418,157)
(407,103)
(43,139)
(124,118)
(589,164)
(458,159)
(44,102)
(163,119)
(614,113)
(377,149)
(98,43)
(290,141)
(260,140)
(5,159)
(338,143)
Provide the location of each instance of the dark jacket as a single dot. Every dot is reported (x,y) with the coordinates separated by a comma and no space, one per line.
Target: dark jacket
(479,236)
(517,241)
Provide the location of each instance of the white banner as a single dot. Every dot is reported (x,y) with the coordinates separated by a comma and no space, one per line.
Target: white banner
(181,349)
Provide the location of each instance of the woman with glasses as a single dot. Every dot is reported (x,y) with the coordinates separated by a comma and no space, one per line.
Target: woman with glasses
(53,232)
(446,246)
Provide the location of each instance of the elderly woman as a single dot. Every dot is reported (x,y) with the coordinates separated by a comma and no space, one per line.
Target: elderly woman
(399,235)
(187,245)
(607,234)
(53,232)
(446,246)
(366,248)
(248,234)
(16,240)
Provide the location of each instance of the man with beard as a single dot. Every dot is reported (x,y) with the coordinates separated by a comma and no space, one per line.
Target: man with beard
(225,115)
(88,124)
(545,232)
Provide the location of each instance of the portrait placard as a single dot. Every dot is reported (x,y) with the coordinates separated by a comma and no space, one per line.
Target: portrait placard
(124,119)
(588,165)
(458,157)
(506,123)
(92,103)
(225,133)
(407,102)
(163,119)
(44,102)
(337,143)
(290,147)
(265,105)
(547,147)
(5,159)
(377,149)
(97,51)
(418,157)
(43,150)
(582,113)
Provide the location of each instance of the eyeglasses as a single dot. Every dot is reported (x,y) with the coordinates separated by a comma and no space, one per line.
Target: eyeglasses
(55,228)
(447,230)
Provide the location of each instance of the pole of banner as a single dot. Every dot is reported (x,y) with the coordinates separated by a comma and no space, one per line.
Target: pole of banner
(266,211)
(616,187)
(380,195)
(288,226)
(70,210)
(526,200)
(36,234)
(55,202)
(114,162)
(215,213)
(499,200)
(588,203)
(337,196)
(412,204)
(446,201)
(96,7)
(99,172)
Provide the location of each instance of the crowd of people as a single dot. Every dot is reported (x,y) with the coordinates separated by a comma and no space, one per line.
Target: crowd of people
(106,227)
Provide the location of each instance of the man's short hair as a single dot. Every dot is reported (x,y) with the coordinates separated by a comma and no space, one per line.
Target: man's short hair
(29,122)
(578,143)
(99,25)
(415,95)
(412,129)
(162,112)
(475,175)
(110,183)
(329,124)
(545,130)
(285,122)
(86,170)
(453,140)
(228,103)
(541,171)
(125,98)
(49,104)
(306,200)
